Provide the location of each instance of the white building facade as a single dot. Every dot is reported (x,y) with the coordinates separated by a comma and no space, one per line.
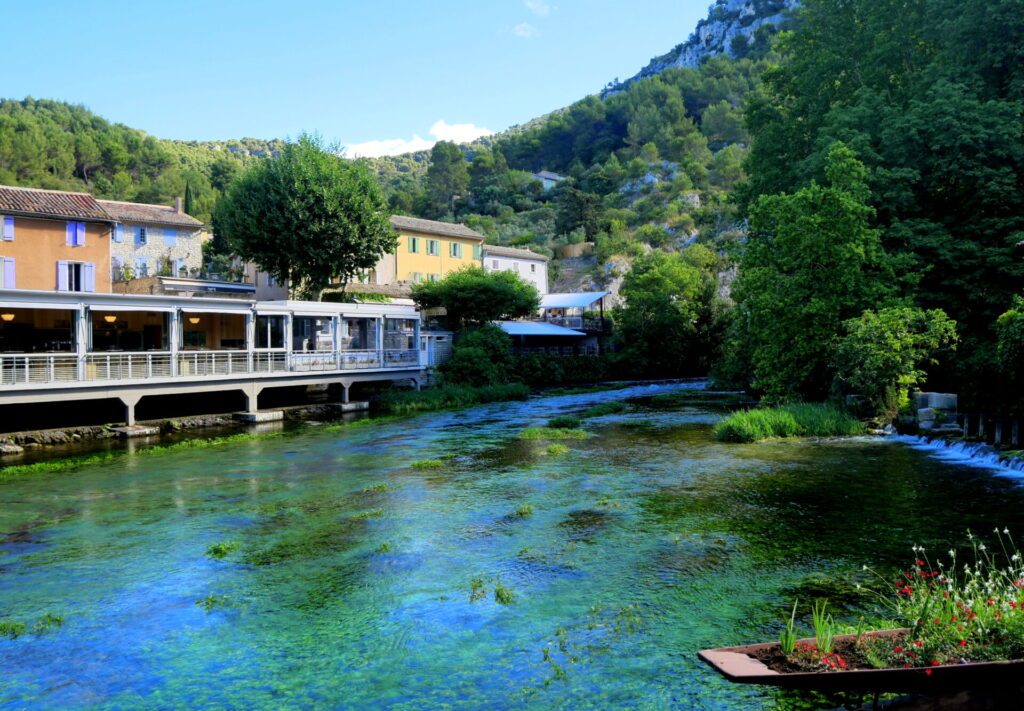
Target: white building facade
(530,266)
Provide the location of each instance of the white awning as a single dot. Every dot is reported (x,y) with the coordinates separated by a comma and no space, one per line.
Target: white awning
(536,328)
(571,301)
(246,309)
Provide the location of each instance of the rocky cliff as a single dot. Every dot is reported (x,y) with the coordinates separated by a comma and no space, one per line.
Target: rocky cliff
(732,27)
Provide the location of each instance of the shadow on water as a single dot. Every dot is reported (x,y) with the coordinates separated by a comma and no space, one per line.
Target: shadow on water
(501,576)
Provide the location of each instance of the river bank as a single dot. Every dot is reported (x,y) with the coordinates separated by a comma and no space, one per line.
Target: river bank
(30,447)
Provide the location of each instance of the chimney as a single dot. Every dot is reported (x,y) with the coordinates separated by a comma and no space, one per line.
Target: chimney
(177,205)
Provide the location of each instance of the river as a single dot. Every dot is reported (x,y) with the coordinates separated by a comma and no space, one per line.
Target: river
(353,580)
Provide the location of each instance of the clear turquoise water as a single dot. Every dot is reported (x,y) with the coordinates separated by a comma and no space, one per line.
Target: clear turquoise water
(647,542)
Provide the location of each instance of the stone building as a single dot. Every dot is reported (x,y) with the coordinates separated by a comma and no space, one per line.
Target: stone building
(153,240)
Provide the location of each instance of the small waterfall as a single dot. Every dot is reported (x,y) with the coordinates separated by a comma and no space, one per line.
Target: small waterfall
(974,454)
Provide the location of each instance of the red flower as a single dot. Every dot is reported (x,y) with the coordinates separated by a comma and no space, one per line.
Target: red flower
(936,662)
(897,650)
(918,643)
(918,562)
(928,672)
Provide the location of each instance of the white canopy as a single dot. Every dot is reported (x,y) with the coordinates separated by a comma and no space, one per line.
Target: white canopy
(571,301)
(536,328)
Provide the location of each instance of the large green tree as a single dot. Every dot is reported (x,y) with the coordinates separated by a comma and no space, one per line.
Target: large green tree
(447,177)
(812,261)
(474,297)
(882,355)
(930,94)
(669,324)
(307,217)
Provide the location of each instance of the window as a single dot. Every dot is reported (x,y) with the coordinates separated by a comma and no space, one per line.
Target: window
(494,264)
(416,277)
(270,331)
(456,250)
(7,273)
(435,277)
(76,276)
(8,229)
(141,267)
(414,245)
(118,234)
(478,251)
(533,269)
(170,238)
(180,268)
(433,248)
(141,238)
(75,233)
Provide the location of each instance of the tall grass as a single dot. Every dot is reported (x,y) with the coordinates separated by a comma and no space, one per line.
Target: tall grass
(449,397)
(804,420)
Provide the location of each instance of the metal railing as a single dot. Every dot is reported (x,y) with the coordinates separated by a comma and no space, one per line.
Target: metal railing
(19,368)
(201,363)
(127,366)
(38,368)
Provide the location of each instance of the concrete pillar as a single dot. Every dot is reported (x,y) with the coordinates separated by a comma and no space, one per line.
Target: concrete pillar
(289,339)
(344,393)
(252,396)
(130,401)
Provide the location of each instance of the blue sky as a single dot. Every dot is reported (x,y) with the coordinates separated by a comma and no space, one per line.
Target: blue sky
(380,73)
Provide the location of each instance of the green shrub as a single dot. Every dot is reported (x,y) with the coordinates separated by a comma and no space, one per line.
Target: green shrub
(556,450)
(480,357)
(567,422)
(803,420)
(547,433)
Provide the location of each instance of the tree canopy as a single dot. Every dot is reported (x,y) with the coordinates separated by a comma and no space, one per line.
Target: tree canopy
(668,325)
(474,297)
(812,261)
(308,217)
(930,95)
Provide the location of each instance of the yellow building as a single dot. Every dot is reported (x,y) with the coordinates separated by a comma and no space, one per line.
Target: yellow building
(427,250)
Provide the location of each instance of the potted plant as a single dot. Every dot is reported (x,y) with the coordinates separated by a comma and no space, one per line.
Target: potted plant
(952,625)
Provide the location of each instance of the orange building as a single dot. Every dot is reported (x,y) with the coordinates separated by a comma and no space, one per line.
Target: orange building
(53,241)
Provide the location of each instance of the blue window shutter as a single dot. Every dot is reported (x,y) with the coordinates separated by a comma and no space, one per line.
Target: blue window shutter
(9,273)
(8,229)
(79,234)
(62,276)
(69,237)
(119,233)
(88,277)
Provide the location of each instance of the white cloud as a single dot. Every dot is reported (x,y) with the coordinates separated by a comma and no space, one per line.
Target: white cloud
(440,131)
(538,7)
(525,30)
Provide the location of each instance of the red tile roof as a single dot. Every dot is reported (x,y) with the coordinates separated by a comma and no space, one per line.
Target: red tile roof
(51,203)
(431,227)
(152,214)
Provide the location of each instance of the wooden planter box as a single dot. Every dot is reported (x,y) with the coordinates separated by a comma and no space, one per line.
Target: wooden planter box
(735,664)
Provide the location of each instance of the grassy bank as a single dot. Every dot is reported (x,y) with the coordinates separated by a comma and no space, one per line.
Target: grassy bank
(804,420)
(449,397)
(69,463)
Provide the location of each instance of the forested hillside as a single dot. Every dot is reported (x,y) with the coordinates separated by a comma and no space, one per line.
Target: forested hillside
(51,144)
(649,167)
